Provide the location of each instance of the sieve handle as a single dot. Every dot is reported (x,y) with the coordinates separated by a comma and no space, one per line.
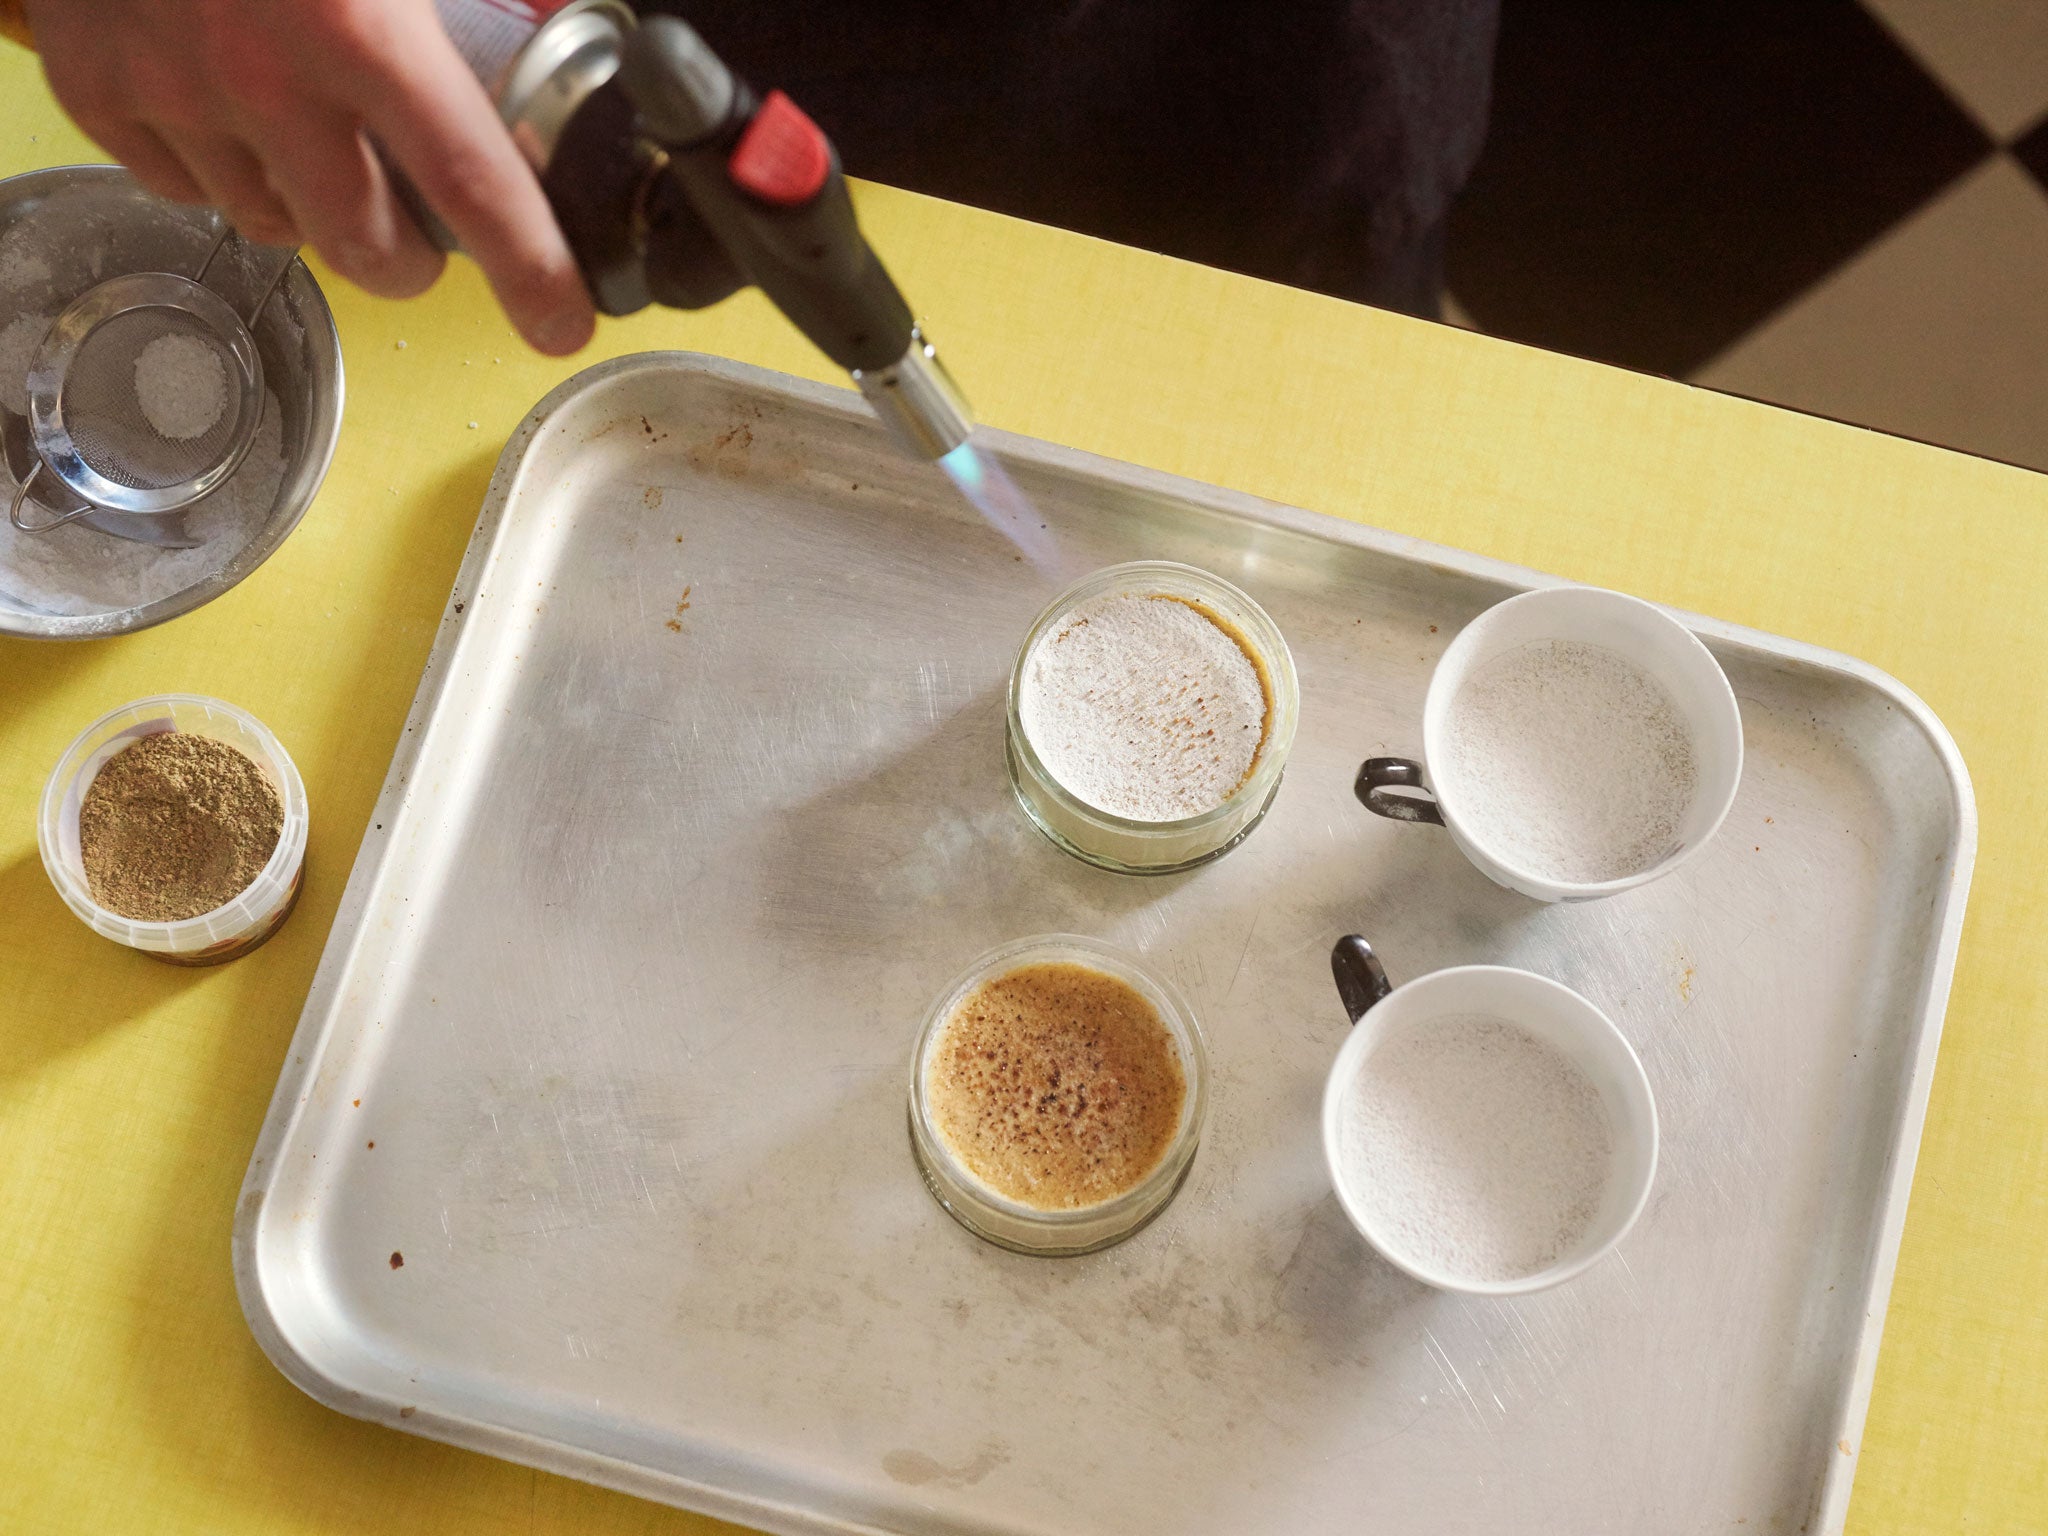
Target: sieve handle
(276,278)
(21,500)
(219,241)
(269,288)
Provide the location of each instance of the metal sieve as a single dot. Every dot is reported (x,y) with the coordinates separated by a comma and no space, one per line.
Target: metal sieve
(62,231)
(94,430)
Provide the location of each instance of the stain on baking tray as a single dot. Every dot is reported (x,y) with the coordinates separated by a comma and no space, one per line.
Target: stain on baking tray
(729,453)
(918,1469)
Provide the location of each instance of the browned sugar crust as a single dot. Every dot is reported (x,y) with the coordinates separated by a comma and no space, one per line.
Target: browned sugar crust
(1056,1085)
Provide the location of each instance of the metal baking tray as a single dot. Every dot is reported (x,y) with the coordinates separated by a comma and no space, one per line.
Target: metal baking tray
(702,798)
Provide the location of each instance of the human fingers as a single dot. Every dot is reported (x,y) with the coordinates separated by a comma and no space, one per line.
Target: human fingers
(233,181)
(340,195)
(86,75)
(152,161)
(444,133)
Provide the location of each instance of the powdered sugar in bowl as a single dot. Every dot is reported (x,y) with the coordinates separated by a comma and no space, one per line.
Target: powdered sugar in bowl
(1151,711)
(1488,1130)
(1579,743)
(64,230)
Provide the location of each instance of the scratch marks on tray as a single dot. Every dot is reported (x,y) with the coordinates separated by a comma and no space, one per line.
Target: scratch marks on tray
(556,1152)
(1248,934)
(1447,1369)
(1392,1434)
(935,689)
(1629,1286)
(1533,1351)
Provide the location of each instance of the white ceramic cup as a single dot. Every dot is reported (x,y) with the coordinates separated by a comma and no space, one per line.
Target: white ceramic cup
(1546,1009)
(1398,787)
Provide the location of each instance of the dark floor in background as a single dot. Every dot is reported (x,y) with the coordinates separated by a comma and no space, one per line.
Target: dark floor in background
(1660,178)
(1838,205)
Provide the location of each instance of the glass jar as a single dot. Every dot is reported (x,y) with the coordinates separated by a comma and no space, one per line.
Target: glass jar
(1122,843)
(1011,1223)
(229,930)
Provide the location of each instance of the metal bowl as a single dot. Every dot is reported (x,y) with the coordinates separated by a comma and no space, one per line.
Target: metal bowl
(102,224)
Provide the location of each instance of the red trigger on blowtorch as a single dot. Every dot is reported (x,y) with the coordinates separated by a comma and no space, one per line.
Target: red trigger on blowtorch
(781,158)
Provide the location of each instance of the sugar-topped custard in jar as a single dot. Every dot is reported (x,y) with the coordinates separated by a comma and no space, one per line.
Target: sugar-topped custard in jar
(1146,705)
(1151,709)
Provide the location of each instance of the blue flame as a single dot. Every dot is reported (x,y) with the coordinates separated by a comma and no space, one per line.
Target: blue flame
(983,481)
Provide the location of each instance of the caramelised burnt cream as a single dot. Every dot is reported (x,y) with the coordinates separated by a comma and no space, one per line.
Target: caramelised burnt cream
(1056,1085)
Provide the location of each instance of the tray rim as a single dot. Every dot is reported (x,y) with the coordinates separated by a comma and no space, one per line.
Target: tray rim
(320,1016)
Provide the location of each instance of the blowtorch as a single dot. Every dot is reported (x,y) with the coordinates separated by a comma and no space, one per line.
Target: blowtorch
(676,184)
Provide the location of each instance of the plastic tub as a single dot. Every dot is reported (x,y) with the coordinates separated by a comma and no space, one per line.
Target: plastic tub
(211,937)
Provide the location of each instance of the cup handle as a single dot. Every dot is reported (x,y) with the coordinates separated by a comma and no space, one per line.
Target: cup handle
(1361,979)
(1380,777)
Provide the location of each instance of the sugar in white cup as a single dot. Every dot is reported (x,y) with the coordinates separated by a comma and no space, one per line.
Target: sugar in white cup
(1649,637)
(229,930)
(1546,1010)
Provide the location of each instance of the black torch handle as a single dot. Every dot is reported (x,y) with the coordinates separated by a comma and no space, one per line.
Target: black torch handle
(757,177)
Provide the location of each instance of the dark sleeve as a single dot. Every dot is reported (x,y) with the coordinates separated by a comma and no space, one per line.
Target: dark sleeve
(1317,142)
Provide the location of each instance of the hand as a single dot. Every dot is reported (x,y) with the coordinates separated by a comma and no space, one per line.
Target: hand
(265,108)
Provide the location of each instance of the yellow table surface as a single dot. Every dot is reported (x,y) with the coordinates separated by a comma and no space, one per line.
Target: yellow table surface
(132,1398)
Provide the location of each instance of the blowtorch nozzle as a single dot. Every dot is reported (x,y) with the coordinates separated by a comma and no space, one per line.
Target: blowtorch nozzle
(749,189)
(677,184)
(918,400)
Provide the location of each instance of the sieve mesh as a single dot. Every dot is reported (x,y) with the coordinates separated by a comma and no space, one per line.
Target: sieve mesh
(104,410)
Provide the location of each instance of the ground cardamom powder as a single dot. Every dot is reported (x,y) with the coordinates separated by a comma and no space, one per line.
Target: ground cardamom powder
(174,825)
